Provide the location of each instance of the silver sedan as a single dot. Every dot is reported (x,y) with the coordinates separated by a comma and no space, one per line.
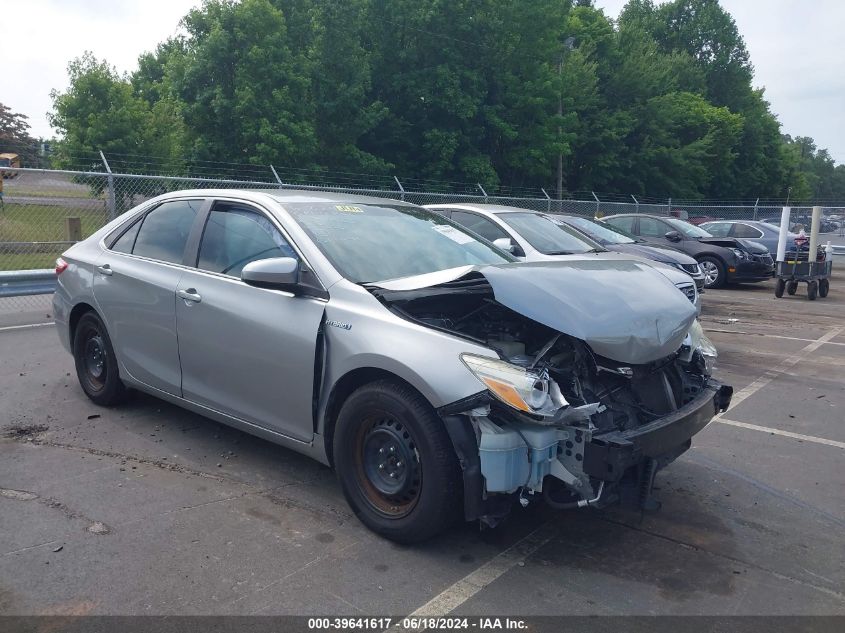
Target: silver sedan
(440,378)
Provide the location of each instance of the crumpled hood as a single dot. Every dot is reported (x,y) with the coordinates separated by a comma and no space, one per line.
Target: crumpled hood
(650,251)
(624,310)
(753,247)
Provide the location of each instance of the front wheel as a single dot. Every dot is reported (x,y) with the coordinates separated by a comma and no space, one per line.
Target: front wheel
(96,364)
(396,464)
(714,272)
(824,288)
(780,284)
(812,290)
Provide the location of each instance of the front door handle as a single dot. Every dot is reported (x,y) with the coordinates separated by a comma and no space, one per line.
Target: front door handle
(190,294)
(105,269)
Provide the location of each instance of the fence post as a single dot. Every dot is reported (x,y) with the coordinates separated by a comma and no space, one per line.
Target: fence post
(637,202)
(110,199)
(598,210)
(669,206)
(483,193)
(548,201)
(276,176)
(73,229)
(401,188)
(756,202)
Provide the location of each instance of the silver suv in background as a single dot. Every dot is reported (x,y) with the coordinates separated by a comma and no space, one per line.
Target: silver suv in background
(438,376)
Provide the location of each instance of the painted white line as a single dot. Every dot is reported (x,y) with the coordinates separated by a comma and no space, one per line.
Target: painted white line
(24,327)
(797,436)
(786,338)
(786,363)
(455,595)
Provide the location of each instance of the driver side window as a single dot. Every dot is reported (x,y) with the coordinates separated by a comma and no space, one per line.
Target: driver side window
(234,236)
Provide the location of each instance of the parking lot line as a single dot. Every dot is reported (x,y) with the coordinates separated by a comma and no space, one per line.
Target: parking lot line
(797,436)
(786,363)
(785,338)
(459,592)
(24,327)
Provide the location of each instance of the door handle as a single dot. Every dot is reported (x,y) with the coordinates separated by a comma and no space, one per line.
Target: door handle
(190,294)
(105,269)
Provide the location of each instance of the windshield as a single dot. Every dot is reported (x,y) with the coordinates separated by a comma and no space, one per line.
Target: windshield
(543,234)
(5,162)
(690,230)
(374,242)
(602,233)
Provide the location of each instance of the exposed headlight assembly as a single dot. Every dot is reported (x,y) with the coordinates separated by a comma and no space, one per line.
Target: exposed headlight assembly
(741,254)
(526,390)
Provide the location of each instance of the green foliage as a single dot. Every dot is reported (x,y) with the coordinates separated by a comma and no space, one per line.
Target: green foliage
(659,103)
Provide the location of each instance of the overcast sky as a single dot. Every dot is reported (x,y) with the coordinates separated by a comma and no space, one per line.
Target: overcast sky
(796,46)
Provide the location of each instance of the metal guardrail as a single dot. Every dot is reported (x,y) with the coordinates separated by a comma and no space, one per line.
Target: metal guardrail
(25,283)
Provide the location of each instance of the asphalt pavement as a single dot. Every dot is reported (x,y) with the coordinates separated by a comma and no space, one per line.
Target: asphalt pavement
(148,509)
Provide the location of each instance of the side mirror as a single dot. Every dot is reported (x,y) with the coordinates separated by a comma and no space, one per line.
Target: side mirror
(506,244)
(673,236)
(279,273)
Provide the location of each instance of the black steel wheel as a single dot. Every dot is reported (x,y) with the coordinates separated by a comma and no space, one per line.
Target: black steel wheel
(791,287)
(824,287)
(396,463)
(780,284)
(96,364)
(812,290)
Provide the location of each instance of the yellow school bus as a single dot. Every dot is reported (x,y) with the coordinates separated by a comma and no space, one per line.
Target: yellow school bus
(10,160)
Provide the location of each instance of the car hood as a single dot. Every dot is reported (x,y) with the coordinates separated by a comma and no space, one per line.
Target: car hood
(735,242)
(623,309)
(657,253)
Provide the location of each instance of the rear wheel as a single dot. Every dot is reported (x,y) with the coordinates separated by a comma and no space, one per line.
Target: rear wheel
(96,364)
(396,463)
(780,284)
(824,288)
(791,287)
(714,272)
(812,290)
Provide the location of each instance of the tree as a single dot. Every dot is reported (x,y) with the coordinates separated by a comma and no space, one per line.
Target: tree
(244,91)
(14,134)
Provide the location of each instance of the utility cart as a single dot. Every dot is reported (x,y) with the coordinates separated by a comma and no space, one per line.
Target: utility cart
(798,268)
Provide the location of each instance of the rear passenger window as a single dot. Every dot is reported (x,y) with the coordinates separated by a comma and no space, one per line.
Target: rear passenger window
(743,230)
(625,223)
(649,227)
(125,242)
(235,236)
(164,231)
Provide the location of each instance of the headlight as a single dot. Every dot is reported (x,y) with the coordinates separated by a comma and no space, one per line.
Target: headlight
(741,254)
(523,389)
(708,353)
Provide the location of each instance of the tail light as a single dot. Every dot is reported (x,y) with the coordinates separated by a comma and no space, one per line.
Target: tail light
(61,266)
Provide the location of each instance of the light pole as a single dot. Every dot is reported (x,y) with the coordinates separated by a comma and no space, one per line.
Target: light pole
(568,44)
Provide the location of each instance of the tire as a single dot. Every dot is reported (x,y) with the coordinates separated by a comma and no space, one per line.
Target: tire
(96,364)
(396,464)
(714,271)
(812,290)
(824,287)
(791,287)
(780,284)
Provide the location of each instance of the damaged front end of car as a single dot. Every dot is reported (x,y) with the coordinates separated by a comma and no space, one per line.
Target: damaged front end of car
(592,393)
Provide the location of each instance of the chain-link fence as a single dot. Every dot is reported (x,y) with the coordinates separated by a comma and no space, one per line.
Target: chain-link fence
(43,212)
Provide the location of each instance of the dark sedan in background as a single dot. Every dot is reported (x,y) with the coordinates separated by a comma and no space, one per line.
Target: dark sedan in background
(722,259)
(761,232)
(617,240)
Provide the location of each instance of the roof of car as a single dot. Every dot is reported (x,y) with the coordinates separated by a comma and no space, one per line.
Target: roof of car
(291,196)
(490,208)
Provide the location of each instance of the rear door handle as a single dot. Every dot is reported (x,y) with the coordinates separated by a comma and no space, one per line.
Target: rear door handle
(190,294)
(105,269)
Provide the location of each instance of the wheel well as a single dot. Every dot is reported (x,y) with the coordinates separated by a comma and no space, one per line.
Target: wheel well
(342,389)
(75,314)
(718,258)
